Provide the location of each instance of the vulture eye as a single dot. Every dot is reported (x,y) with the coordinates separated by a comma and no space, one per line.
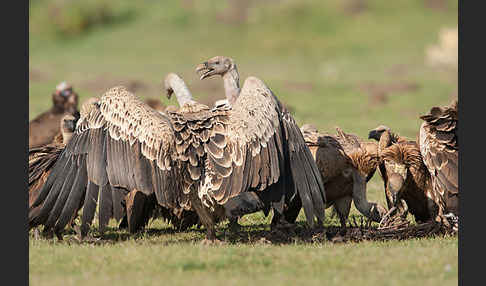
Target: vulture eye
(217,63)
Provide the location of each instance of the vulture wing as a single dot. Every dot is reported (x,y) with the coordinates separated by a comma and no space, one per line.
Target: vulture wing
(440,150)
(121,142)
(349,142)
(254,146)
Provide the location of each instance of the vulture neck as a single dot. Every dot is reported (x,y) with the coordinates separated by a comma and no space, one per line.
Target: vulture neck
(385,141)
(231,81)
(369,209)
(66,136)
(181,91)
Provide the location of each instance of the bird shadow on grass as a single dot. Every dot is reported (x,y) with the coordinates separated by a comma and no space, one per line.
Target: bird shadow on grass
(251,234)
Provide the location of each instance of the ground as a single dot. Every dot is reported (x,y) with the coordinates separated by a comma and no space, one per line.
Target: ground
(352,64)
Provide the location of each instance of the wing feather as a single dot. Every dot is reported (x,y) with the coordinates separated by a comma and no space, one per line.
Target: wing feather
(440,150)
(121,142)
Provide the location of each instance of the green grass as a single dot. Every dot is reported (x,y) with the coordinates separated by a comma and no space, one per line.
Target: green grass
(316,57)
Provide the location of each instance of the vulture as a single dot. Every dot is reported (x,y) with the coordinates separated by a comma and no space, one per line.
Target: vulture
(141,207)
(197,158)
(45,127)
(132,208)
(423,174)
(385,137)
(440,152)
(297,183)
(346,164)
(41,159)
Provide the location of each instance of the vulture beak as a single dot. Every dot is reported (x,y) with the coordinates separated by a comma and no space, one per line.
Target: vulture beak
(169,92)
(374,135)
(204,70)
(395,184)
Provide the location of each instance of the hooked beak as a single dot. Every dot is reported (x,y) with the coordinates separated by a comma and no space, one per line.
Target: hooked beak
(169,92)
(204,70)
(374,135)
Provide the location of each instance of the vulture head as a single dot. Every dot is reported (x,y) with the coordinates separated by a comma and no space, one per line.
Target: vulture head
(376,133)
(68,124)
(216,65)
(65,99)
(167,85)
(174,84)
(398,160)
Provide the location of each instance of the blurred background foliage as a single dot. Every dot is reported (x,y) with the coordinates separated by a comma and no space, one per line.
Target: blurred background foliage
(348,63)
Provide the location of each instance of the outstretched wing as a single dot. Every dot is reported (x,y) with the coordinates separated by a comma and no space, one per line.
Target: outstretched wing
(119,142)
(439,148)
(258,145)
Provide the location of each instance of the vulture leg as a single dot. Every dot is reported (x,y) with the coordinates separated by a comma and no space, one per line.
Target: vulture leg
(342,207)
(124,222)
(139,209)
(240,205)
(293,210)
(206,219)
(278,221)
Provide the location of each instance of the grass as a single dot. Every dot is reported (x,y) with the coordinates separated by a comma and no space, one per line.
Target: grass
(318,58)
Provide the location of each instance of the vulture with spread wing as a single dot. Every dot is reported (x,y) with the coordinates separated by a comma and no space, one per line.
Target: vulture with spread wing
(195,158)
(280,161)
(141,207)
(346,163)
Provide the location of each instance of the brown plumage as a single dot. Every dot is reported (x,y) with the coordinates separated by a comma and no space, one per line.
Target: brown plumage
(196,158)
(259,149)
(41,159)
(121,144)
(440,151)
(407,178)
(346,163)
(385,137)
(45,127)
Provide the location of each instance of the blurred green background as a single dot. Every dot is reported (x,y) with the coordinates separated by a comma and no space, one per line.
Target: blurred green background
(348,63)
